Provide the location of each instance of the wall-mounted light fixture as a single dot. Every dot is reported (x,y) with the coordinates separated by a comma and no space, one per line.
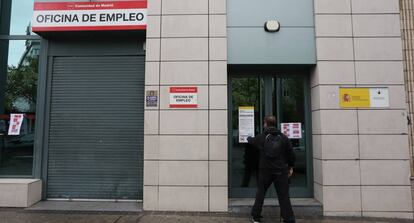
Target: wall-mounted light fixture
(272,26)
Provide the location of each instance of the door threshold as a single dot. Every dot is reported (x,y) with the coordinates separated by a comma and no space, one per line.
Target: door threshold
(303,207)
(87,206)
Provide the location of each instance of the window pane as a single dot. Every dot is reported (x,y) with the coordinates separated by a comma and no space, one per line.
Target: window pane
(18,84)
(21,17)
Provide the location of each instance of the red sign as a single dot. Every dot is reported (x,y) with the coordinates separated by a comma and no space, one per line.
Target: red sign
(183,97)
(81,16)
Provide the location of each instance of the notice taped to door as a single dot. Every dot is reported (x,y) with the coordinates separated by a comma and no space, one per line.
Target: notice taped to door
(16,121)
(246,123)
(292,130)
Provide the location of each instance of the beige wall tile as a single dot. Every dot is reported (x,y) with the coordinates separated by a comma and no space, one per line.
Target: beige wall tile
(218,147)
(325,97)
(384,147)
(341,199)
(218,26)
(183,148)
(218,48)
(173,73)
(151,147)
(333,25)
(151,122)
(317,146)
(373,48)
(218,72)
(154,26)
(377,25)
(332,6)
(318,192)
(339,146)
(218,97)
(342,213)
(382,122)
(316,122)
(383,72)
(386,198)
(399,215)
(334,49)
(217,6)
(334,172)
(334,72)
(184,6)
(385,172)
(150,198)
(34,193)
(397,97)
(185,26)
(183,199)
(375,6)
(183,173)
(13,195)
(184,49)
(317,171)
(219,199)
(154,7)
(331,119)
(172,122)
(152,50)
(202,97)
(218,122)
(151,173)
(152,73)
(218,173)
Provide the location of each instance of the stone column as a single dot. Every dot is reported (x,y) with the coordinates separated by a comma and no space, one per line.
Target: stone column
(361,160)
(185,167)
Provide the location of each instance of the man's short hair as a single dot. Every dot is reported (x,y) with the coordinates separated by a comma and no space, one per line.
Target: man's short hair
(270,121)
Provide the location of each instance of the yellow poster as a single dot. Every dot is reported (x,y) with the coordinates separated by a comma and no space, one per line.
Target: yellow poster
(354,97)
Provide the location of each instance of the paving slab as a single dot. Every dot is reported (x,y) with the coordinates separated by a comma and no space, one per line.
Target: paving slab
(23,216)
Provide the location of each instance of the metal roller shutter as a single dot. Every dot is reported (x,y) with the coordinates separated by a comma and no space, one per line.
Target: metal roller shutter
(96,128)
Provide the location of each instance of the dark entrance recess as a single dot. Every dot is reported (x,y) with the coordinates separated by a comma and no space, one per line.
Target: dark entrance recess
(283,93)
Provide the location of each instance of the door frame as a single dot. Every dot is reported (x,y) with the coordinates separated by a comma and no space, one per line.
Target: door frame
(272,72)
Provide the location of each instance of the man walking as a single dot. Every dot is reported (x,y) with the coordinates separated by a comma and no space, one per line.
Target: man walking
(277,159)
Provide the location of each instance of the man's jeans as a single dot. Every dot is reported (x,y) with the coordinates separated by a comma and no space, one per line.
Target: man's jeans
(280,179)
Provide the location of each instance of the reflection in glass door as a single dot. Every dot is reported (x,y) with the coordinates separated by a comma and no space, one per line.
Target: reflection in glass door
(284,97)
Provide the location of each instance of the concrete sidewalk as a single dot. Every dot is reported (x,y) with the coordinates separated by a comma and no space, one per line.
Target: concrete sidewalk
(22,216)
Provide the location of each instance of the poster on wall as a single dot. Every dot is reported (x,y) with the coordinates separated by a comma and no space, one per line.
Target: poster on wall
(292,130)
(89,16)
(15,125)
(364,97)
(183,97)
(151,98)
(246,123)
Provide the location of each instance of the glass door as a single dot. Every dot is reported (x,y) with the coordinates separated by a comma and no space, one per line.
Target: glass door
(285,97)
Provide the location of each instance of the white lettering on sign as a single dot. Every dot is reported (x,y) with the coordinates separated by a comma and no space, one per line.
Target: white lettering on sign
(183,97)
(76,16)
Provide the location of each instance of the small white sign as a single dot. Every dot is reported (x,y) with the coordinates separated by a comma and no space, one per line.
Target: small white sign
(16,121)
(183,97)
(292,130)
(246,123)
(379,97)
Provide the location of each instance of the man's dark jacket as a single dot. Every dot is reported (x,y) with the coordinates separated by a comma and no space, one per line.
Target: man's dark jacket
(288,155)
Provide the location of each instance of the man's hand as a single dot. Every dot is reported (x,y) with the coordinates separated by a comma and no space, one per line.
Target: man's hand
(290,173)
